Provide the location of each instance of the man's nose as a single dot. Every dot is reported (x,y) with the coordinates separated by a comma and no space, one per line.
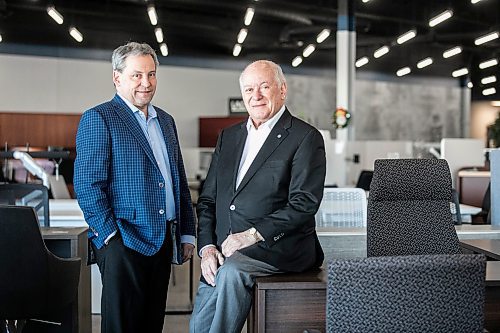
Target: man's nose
(256,94)
(146,81)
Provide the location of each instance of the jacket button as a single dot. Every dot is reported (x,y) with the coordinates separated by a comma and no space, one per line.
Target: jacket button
(161,211)
(161,185)
(232,207)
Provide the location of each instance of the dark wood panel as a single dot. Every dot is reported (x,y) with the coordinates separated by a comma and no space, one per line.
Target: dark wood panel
(39,130)
(210,129)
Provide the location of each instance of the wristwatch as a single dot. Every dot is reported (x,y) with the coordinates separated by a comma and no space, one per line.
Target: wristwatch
(253,232)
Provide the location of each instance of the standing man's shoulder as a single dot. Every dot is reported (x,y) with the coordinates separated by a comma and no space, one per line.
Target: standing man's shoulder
(104,109)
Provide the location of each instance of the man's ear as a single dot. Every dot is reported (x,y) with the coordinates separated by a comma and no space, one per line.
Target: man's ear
(116,78)
(283,90)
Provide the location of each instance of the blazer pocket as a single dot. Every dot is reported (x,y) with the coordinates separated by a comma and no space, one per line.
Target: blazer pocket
(127,214)
(274,164)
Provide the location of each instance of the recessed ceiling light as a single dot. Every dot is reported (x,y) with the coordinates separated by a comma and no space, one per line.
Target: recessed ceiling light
(486,38)
(159,35)
(381,51)
(236,50)
(153,18)
(323,35)
(489,79)
(77,35)
(362,61)
(440,18)
(403,71)
(56,16)
(460,72)
(249,16)
(406,36)
(242,35)
(474,1)
(308,50)
(296,61)
(489,91)
(425,62)
(451,52)
(0,38)
(488,63)
(164,49)
(470,85)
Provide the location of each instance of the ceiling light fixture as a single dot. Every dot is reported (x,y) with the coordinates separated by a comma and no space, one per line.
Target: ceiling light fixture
(381,51)
(440,18)
(323,35)
(460,72)
(236,50)
(153,17)
(451,52)
(403,71)
(164,49)
(470,85)
(406,36)
(489,79)
(362,61)
(488,63)
(425,62)
(486,38)
(0,38)
(242,35)
(249,15)
(77,35)
(159,35)
(489,91)
(56,16)
(365,1)
(308,50)
(296,61)
(474,1)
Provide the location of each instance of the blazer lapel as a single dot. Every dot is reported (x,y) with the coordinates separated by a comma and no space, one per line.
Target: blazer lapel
(128,118)
(276,137)
(171,144)
(234,163)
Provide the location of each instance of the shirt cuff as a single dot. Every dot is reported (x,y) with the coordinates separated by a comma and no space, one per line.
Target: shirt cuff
(106,241)
(188,239)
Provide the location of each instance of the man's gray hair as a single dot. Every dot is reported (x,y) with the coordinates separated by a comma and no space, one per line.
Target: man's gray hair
(121,53)
(278,72)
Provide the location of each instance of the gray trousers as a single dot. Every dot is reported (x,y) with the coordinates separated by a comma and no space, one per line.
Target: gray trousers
(225,307)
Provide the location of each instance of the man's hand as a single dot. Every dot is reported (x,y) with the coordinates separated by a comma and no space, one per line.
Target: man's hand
(187,251)
(211,259)
(237,241)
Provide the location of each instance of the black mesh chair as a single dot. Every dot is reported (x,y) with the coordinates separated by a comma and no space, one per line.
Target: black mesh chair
(365,179)
(34,284)
(484,216)
(428,293)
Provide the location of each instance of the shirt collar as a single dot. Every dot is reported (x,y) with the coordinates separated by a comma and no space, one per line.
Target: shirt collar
(269,123)
(151,110)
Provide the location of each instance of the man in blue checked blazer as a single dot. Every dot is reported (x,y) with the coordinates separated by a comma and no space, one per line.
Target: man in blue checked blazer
(131,185)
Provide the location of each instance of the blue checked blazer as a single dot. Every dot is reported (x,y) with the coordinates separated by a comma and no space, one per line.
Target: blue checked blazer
(119,185)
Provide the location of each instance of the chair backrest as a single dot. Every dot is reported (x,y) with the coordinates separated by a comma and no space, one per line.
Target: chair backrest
(409,209)
(428,293)
(342,208)
(31,195)
(365,180)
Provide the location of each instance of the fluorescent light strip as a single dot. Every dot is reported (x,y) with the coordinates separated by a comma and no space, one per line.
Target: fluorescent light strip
(56,16)
(308,50)
(460,72)
(440,18)
(249,16)
(242,35)
(486,38)
(323,35)
(470,85)
(153,17)
(406,36)
(1,38)
(474,1)
(489,79)
(362,61)
(488,63)
(236,50)
(425,62)
(381,51)
(489,91)
(296,61)
(77,35)
(403,71)
(451,52)
(164,49)
(365,1)
(159,35)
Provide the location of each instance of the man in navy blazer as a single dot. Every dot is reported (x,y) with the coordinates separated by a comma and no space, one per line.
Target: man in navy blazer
(131,185)
(256,210)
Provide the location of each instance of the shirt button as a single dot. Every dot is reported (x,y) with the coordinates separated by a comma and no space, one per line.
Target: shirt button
(161,211)
(232,207)
(160,184)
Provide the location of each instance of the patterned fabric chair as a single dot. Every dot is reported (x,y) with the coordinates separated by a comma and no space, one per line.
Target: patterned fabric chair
(427,293)
(409,209)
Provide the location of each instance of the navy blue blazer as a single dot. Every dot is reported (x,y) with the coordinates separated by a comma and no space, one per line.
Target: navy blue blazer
(119,185)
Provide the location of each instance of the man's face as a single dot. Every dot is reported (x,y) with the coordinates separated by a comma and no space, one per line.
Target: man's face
(261,93)
(137,82)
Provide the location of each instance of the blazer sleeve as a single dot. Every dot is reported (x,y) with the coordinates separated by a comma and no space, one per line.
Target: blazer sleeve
(92,167)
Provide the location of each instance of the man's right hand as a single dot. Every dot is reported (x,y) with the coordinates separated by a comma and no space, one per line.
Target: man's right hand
(211,259)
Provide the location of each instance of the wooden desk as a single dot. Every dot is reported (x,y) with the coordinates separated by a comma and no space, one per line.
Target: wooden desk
(290,303)
(488,247)
(65,243)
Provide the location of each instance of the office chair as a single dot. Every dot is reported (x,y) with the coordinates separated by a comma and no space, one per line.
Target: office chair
(342,208)
(365,179)
(427,293)
(484,216)
(34,283)
(409,209)
(32,195)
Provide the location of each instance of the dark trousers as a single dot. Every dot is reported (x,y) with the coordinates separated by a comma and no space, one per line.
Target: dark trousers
(135,286)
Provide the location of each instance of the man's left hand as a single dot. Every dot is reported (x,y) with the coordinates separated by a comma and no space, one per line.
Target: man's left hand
(237,241)
(187,251)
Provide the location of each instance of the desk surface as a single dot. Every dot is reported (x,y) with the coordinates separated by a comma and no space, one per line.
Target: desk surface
(62,232)
(489,247)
